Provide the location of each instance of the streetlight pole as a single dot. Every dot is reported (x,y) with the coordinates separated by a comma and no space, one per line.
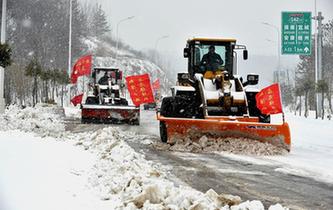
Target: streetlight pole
(318,59)
(2,70)
(156,43)
(70,38)
(318,56)
(117,32)
(279,48)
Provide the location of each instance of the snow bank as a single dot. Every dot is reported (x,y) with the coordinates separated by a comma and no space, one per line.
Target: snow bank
(205,144)
(122,175)
(127,178)
(43,119)
(72,112)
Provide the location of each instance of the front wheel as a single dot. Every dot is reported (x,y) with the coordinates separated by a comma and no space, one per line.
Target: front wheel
(264,118)
(163,132)
(135,122)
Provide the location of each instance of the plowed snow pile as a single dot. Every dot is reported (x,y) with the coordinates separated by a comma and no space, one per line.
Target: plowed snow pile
(126,177)
(43,119)
(121,174)
(242,146)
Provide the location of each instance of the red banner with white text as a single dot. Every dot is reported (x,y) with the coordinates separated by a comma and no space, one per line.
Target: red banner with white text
(140,89)
(269,100)
(81,67)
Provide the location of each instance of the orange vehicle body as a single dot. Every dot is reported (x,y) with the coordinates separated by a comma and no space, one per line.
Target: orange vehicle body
(248,127)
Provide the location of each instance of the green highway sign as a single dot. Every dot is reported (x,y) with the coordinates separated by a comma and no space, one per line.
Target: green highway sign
(296,33)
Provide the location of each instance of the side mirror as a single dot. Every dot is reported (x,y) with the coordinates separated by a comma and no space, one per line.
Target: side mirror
(245,54)
(252,79)
(186,52)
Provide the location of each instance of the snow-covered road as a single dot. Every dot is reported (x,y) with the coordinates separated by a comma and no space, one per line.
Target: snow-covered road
(301,179)
(43,166)
(57,173)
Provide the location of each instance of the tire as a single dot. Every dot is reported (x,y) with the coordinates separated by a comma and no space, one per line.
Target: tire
(124,102)
(264,118)
(167,107)
(163,132)
(84,120)
(178,107)
(253,109)
(91,100)
(135,122)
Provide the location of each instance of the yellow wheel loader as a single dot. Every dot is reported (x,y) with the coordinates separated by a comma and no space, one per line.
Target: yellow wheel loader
(211,99)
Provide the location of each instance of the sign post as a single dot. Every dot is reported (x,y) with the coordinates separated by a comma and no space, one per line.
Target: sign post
(2,70)
(296,33)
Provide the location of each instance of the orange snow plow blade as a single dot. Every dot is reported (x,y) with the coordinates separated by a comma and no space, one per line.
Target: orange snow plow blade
(237,127)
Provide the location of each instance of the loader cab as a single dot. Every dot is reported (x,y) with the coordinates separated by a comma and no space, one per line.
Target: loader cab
(197,48)
(113,74)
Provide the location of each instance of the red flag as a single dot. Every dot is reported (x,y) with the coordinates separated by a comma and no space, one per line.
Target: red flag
(77,99)
(156,85)
(269,100)
(81,67)
(140,89)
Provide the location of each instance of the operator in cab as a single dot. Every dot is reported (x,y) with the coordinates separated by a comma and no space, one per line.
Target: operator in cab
(211,61)
(211,65)
(104,79)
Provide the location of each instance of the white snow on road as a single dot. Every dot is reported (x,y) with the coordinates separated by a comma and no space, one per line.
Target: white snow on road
(39,171)
(311,152)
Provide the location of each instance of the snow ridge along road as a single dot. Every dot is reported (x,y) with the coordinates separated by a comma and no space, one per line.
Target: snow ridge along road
(119,175)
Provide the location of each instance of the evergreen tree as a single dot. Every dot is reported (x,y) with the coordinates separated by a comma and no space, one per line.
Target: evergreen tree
(34,70)
(5,55)
(99,24)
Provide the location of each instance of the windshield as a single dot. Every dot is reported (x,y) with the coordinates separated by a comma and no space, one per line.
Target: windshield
(211,57)
(100,74)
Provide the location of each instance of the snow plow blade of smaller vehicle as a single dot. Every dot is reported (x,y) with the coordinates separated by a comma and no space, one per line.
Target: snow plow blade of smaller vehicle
(172,129)
(110,114)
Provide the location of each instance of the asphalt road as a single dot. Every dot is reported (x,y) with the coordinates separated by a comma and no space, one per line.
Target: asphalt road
(224,175)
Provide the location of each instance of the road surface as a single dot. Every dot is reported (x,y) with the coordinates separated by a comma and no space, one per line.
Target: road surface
(225,175)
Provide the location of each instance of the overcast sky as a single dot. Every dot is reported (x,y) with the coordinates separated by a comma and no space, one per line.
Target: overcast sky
(181,19)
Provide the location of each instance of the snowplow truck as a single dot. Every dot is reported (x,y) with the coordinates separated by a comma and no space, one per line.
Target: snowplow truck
(105,100)
(211,99)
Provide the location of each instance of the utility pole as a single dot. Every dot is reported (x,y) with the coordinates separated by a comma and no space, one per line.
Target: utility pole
(2,70)
(318,59)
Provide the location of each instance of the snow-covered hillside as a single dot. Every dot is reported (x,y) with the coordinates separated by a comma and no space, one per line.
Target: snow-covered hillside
(105,56)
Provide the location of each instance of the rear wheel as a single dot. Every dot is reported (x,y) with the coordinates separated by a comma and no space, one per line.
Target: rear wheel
(163,132)
(253,109)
